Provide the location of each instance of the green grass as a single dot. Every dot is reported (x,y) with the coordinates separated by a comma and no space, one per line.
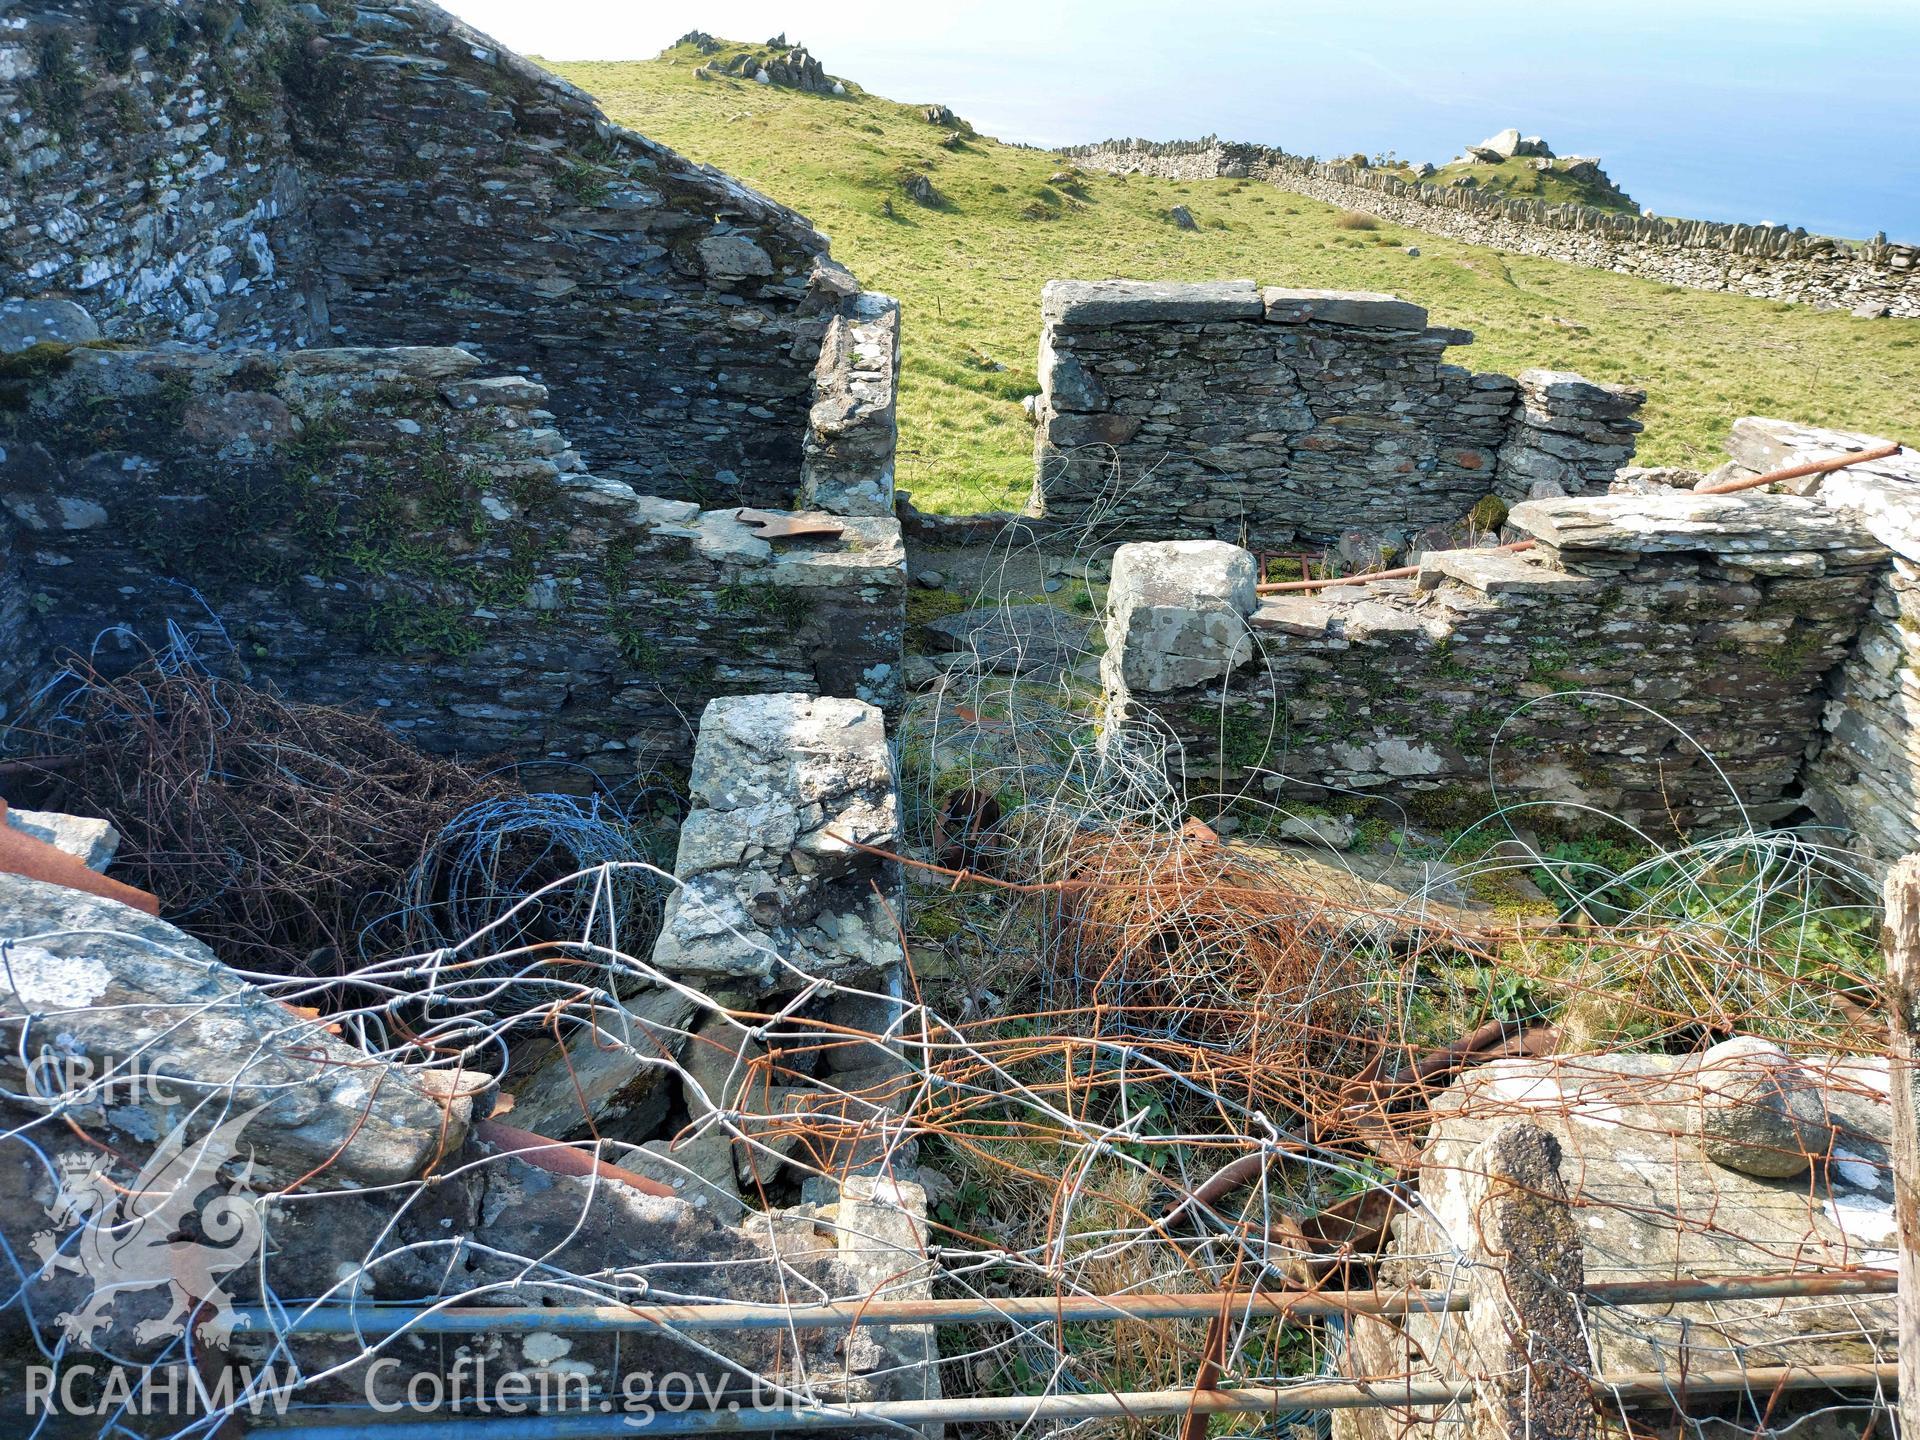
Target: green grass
(1519,177)
(969,275)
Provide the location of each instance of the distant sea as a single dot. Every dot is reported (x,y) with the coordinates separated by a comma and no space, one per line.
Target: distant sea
(1754,111)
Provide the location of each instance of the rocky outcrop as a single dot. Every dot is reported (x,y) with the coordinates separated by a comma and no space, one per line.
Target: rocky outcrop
(1769,261)
(776,63)
(1278,416)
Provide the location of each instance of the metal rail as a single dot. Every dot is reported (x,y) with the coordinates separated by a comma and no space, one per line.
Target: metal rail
(1016,1409)
(378,1320)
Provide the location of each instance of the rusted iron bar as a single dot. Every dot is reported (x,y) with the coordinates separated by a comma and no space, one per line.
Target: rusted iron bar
(1902,943)
(1399,1393)
(1037,1309)
(1799,472)
(562,1157)
(1402,572)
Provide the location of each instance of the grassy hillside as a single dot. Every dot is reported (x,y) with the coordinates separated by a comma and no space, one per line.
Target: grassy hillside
(1521,178)
(969,268)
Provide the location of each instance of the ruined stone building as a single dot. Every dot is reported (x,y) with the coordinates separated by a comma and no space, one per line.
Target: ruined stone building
(341,331)
(344,352)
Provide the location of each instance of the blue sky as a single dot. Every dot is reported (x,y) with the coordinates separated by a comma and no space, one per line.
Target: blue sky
(1805,114)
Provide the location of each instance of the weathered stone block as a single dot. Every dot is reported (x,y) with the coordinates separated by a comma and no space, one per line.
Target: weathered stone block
(90,977)
(786,789)
(1176,613)
(1365,309)
(1088,303)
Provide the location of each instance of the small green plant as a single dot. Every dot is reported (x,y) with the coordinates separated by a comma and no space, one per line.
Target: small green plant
(584,183)
(637,648)
(1354,220)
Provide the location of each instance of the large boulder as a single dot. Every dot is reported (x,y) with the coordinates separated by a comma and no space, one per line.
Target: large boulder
(1502,145)
(93,989)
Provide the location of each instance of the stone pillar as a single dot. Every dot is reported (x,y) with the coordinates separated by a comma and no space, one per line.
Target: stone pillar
(852,427)
(1177,614)
(1902,940)
(1526,1335)
(786,788)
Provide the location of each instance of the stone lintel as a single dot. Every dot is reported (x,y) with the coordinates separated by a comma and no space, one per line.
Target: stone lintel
(1366,309)
(1495,572)
(1084,304)
(1738,525)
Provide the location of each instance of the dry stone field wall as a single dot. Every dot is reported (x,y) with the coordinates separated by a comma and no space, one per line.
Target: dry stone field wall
(1771,262)
(1671,660)
(1271,416)
(352,174)
(304,311)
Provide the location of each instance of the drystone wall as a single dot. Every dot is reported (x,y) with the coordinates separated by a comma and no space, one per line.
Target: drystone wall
(1771,262)
(1274,416)
(401,530)
(378,173)
(1661,659)
(1865,773)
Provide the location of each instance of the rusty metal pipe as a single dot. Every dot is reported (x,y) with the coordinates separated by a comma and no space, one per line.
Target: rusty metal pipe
(1396,1393)
(373,1319)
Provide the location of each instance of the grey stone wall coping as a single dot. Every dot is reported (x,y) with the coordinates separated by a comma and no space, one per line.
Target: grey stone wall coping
(1367,309)
(1683,520)
(1083,303)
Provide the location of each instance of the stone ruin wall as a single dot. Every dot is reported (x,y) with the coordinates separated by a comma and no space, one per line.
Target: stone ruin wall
(399,529)
(377,174)
(1769,262)
(412,528)
(1273,416)
(1767,636)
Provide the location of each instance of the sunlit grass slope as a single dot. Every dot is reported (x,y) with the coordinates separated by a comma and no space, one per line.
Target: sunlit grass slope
(969,268)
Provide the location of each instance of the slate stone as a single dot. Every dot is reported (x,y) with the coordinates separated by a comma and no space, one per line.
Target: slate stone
(26,323)
(1082,303)
(1362,308)
(1038,642)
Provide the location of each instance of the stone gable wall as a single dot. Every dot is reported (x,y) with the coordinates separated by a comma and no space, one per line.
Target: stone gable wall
(400,530)
(1770,262)
(1660,659)
(378,173)
(1270,417)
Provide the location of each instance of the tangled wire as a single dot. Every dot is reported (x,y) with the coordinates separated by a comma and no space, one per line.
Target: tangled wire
(308,840)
